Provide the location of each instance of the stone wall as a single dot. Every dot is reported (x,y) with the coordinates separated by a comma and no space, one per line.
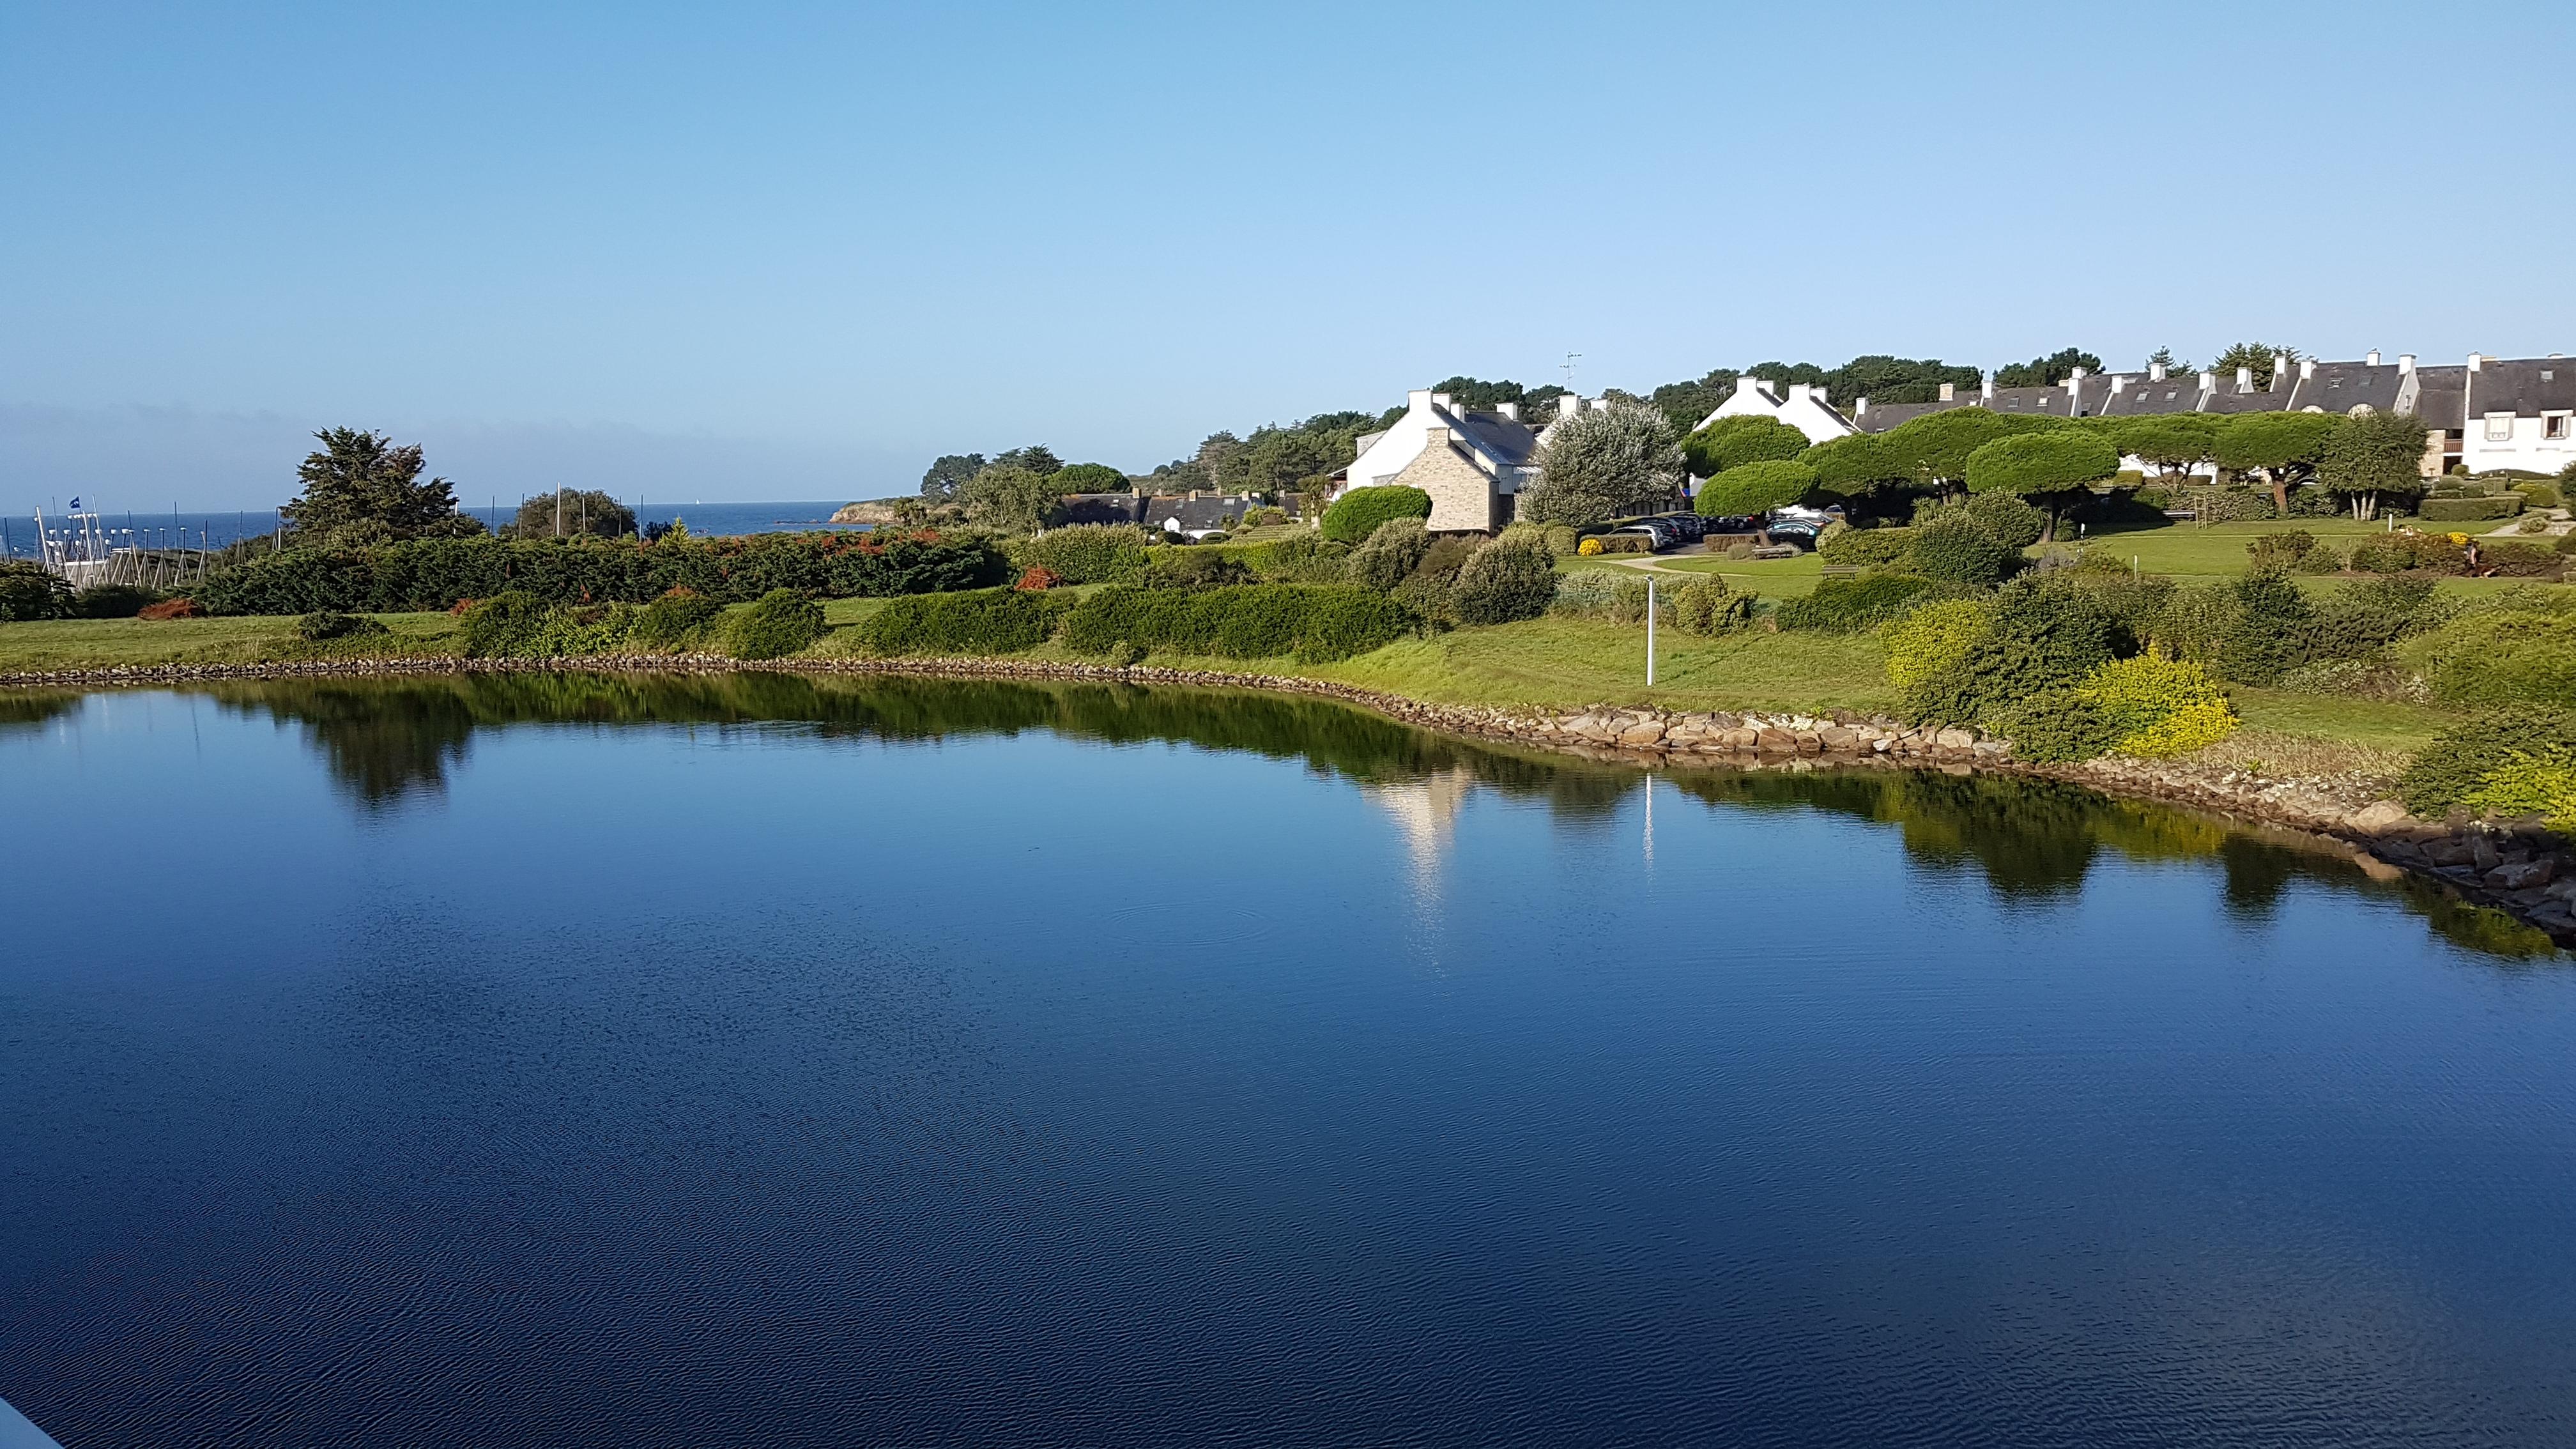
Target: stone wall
(1462,497)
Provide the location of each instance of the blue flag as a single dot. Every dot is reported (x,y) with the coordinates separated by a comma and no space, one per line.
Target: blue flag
(75,505)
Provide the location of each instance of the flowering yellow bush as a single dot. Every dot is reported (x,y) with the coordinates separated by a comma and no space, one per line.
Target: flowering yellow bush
(2160,707)
(1933,639)
(1589,548)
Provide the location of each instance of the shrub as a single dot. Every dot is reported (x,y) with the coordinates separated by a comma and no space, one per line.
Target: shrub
(2269,632)
(1390,555)
(1512,577)
(1358,513)
(1934,640)
(779,623)
(2468,510)
(1315,622)
(1037,580)
(1755,488)
(2055,726)
(1707,606)
(2280,550)
(1850,605)
(2322,559)
(327,624)
(2508,559)
(2159,708)
(2367,615)
(980,621)
(1307,558)
(435,574)
(1562,540)
(178,608)
(2013,522)
(1264,517)
(2540,495)
(1590,548)
(505,624)
(1616,596)
(2499,657)
(29,592)
(1732,442)
(1867,547)
(1186,567)
(2226,505)
(1958,549)
(676,620)
(2407,549)
(1089,553)
(2043,636)
(113,601)
(2462,766)
(1622,543)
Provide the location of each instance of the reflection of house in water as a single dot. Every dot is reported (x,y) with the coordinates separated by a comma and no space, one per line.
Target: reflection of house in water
(1426,810)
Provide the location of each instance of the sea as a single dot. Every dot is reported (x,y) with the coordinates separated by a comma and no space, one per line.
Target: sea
(174,528)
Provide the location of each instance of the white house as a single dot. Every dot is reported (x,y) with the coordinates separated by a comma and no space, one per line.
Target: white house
(1473,464)
(1806,408)
(2498,413)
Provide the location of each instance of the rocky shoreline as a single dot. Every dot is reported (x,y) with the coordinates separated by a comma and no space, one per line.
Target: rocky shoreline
(2521,874)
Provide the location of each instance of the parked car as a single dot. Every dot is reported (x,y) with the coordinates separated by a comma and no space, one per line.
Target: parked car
(1799,513)
(1731,523)
(1688,527)
(1658,536)
(1798,531)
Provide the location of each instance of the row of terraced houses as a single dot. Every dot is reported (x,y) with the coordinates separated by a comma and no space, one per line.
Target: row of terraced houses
(2485,414)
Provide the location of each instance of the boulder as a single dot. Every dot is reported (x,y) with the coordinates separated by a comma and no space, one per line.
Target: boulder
(2523,875)
(1954,740)
(1641,736)
(1838,738)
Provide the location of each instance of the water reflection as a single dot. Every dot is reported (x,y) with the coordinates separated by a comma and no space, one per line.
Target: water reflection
(2026,840)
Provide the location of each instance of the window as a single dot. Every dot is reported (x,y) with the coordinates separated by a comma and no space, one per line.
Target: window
(2554,427)
(2499,427)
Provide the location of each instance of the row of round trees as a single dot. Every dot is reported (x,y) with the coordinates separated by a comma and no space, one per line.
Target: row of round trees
(1756,463)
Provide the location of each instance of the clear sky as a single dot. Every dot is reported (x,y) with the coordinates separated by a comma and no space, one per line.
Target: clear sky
(765,251)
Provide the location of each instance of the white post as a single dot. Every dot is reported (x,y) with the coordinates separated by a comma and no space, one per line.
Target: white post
(1650,632)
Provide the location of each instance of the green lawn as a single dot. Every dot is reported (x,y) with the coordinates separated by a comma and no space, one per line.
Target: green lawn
(113,643)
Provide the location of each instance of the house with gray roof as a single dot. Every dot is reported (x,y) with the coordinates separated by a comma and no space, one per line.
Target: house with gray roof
(1472,462)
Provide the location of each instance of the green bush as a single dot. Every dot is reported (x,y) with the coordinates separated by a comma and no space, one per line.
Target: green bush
(2280,550)
(505,624)
(2508,559)
(1958,549)
(2226,505)
(326,624)
(1193,567)
(779,623)
(1854,604)
(1867,547)
(677,620)
(1317,623)
(113,601)
(436,574)
(1617,596)
(1933,640)
(2055,726)
(1389,555)
(2540,495)
(1512,577)
(2043,635)
(2270,632)
(2498,657)
(1755,488)
(2367,615)
(1707,606)
(980,621)
(1088,553)
(1307,558)
(2408,550)
(1358,512)
(29,592)
(1732,442)
(2160,708)
(2482,763)
(1621,543)
(2013,522)
(1562,540)
(2468,510)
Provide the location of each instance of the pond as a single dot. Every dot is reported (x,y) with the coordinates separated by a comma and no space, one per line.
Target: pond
(770,1060)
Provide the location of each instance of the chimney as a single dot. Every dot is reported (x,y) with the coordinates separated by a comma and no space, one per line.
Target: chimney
(1442,400)
(1417,400)
(2244,379)
(1567,405)
(1949,393)
(2405,362)
(2076,376)
(2155,372)
(1798,391)
(1432,437)
(2370,358)
(1746,382)
(1509,410)
(1860,409)
(2307,368)
(1986,387)
(2208,381)
(1601,404)
(2119,383)
(2475,362)
(2280,369)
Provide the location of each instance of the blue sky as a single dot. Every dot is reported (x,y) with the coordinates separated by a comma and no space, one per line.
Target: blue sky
(794,252)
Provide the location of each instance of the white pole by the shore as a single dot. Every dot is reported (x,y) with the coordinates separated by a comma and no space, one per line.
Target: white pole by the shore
(1650,632)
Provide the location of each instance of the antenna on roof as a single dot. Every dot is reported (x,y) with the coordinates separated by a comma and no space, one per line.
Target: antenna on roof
(1571,358)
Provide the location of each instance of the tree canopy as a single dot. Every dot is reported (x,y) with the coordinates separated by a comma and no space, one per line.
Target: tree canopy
(2047,371)
(949,474)
(1602,463)
(1756,487)
(1090,478)
(2047,467)
(2168,442)
(1852,464)
(2285,447)
(1933,449)
(360,488)
(1010,498)
(1733,442)
(582,512)
(2256,355)
(2370,454)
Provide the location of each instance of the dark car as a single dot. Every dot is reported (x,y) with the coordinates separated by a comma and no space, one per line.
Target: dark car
(1730,523)
(1797,531)
(1689,527)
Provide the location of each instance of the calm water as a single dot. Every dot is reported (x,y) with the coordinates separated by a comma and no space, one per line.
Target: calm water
(764,1061)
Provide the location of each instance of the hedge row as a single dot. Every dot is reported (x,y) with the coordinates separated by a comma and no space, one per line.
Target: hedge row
(1314,622)
(982,621)
(436,574)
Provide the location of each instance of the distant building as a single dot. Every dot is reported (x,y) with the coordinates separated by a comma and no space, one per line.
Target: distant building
(1805,407)
(1473,463)
(1191,515)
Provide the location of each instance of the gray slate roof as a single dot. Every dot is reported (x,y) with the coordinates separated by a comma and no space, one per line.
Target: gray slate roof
(2437,395)
(2339,387)
(2528,386)
(1505,440)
